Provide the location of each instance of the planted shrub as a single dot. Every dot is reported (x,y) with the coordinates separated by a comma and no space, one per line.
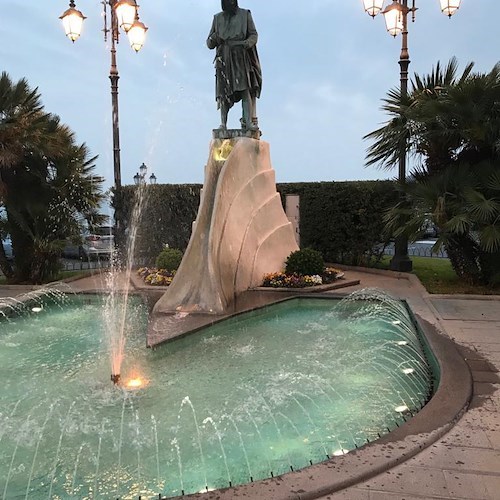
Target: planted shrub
(305,261)
(169,259)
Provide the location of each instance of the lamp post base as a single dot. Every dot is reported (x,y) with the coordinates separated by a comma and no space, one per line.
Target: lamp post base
(401,263)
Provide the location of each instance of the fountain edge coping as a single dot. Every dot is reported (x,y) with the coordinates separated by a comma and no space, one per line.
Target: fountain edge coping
(445,408)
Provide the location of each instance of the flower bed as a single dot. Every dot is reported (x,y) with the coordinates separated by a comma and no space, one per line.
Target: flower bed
(283,280)
(156,277)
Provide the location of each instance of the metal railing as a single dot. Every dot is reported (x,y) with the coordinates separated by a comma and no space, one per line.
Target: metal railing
(420,251)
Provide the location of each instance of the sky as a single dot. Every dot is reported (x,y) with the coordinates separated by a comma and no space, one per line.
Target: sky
(326,66)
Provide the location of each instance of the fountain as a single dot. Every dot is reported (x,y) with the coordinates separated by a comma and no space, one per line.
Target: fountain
(117,279)
(174,425)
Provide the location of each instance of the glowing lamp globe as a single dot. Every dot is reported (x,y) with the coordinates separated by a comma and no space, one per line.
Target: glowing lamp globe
(449,7)
(373,7)
(72,20)
(394,19)
(125,13)
(137,35)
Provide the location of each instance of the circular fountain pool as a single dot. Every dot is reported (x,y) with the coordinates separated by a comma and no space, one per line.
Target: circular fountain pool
(252,397)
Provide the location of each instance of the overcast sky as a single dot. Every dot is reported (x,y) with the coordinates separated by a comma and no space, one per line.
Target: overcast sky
(326,66)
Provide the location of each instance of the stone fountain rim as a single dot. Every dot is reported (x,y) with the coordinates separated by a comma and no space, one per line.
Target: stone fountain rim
(437,417)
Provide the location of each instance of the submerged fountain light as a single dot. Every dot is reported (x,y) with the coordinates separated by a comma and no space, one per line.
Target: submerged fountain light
(396,322)
(339,453)
(401,409)
(402,342)
(408,371)
(135,383)
(37,309)
(115,378)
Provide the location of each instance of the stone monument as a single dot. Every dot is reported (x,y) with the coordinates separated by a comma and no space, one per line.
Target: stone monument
(241,231)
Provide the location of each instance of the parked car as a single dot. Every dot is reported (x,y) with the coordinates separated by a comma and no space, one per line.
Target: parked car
(99,243)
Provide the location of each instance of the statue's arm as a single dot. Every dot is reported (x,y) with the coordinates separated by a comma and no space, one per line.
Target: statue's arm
(252,35)
(213,39)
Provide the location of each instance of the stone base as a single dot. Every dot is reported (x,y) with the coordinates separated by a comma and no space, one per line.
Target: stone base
(234,133)
(241,232)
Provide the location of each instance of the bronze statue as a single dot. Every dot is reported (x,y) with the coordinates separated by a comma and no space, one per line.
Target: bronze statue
(237,66)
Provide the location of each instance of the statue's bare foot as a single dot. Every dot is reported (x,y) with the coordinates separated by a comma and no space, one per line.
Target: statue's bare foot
(222,127)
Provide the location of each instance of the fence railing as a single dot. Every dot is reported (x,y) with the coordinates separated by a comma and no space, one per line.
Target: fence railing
(415,250)
(87,265)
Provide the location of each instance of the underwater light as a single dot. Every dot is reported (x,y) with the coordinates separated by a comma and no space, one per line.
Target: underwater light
(402,342)
(396,322)
(339,453)
(401,409)
(408,371)
(37,309)
(135,383)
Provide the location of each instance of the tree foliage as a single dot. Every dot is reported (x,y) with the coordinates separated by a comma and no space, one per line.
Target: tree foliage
(450,125)
(47,185)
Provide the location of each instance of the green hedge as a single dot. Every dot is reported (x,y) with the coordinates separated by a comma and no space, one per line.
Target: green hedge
(342,220)
(166,218)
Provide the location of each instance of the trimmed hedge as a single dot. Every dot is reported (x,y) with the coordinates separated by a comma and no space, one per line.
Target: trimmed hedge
(166,218)
(342,220)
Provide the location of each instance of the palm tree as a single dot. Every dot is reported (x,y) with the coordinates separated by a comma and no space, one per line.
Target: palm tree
(47,185)
(452,128)
(417,121)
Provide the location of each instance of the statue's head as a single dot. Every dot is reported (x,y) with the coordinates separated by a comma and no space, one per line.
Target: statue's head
(230,6)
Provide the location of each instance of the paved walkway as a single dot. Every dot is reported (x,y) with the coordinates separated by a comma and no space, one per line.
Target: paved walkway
(465,463)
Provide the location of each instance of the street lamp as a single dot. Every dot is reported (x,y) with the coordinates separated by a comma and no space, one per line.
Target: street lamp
(140,177)
(396,19)
(124,14)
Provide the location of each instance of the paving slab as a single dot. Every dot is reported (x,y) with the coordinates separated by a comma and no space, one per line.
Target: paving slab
(417,481)
(467,310)
(472,486)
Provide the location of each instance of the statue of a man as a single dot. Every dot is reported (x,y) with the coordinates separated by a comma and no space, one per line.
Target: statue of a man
(237,66)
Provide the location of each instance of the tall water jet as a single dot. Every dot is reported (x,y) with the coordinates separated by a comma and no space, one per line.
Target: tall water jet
(117,281)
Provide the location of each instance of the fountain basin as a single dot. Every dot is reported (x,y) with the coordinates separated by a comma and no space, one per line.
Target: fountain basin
(68,431)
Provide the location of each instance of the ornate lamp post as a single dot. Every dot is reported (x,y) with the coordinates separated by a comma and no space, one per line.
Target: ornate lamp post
(124,15)
(396,19)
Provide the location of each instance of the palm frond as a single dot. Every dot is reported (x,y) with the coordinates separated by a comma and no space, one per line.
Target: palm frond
(489,237)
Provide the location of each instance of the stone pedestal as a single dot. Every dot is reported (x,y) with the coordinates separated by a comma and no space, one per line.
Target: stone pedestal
(234,133)
(241,231)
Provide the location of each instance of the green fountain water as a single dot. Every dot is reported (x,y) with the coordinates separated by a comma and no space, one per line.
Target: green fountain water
(249,398)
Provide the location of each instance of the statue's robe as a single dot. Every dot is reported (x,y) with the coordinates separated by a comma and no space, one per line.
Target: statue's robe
(237,65)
